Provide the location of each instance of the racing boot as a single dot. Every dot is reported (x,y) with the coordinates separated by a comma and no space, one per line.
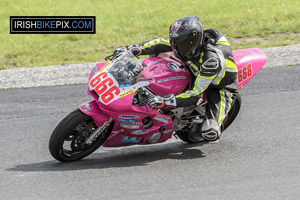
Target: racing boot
(211,131)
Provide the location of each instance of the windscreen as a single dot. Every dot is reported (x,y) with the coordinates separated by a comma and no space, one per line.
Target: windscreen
(126,69)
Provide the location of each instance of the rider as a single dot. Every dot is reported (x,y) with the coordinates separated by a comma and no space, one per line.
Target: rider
(208,56)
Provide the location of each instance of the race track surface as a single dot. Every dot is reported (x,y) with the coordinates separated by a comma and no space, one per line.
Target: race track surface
(257,157)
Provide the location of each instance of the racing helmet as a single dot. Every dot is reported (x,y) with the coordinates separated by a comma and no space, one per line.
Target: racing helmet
(186,37)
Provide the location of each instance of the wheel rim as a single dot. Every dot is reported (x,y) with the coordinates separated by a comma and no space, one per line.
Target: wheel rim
(74,143)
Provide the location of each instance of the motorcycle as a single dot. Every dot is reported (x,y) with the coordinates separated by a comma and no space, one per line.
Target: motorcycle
(119,114)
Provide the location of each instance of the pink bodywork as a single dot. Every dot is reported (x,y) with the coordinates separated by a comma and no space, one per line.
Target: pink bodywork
(244,58)
(167,80)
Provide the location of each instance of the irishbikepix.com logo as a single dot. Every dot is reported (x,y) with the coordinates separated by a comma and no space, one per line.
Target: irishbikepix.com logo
(52,25)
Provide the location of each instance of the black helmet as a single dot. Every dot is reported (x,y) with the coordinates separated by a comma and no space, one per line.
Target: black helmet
(186,37)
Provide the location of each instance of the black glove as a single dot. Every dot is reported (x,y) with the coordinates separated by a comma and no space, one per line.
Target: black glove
(135,49)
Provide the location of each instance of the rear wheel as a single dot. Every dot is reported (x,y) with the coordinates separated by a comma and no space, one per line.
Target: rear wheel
(185,134)
(69,141)
(234,111)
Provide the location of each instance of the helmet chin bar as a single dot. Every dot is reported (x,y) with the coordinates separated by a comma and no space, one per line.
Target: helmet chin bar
(187,57)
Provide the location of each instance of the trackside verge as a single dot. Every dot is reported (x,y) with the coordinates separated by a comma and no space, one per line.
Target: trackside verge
(78,73)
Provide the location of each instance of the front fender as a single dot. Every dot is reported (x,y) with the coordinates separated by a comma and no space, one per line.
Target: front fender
(92,109)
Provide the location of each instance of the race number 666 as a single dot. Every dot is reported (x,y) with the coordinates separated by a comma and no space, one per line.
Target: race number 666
(245,73)
(104,87)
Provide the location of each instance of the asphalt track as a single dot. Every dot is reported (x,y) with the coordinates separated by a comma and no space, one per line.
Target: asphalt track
(257,158)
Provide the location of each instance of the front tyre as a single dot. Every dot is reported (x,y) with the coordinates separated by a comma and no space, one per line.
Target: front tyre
(68,141)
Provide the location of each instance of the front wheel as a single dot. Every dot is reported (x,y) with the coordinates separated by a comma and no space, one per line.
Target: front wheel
(70,141)
(185,136)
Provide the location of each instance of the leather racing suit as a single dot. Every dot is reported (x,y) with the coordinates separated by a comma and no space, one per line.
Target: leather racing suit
(213,70)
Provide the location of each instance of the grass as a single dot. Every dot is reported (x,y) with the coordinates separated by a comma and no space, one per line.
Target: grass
(246,23)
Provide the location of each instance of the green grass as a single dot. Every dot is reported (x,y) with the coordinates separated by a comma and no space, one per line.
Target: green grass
(119,22)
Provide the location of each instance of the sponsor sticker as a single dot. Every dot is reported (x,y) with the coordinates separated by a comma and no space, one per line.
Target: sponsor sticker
(126,93)
(129,116)
(171,78)
(86,107)
(125,85)
(168,131)
(172,66)
(106,65)
(126,120)
(131,125)
(101,131)
(139,132)
(130,139)
(161,119)
(175,27)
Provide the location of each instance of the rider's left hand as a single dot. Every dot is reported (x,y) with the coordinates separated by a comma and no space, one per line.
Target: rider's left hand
(135,49)
(166,102)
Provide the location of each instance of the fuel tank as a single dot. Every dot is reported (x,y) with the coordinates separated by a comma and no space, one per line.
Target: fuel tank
(169,77)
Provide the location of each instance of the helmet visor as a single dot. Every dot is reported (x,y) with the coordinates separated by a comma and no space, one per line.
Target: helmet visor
(184,46)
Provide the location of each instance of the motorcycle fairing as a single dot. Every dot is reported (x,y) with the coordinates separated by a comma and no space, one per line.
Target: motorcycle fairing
(91,108)
(107,87)
(249,62)
(161,80)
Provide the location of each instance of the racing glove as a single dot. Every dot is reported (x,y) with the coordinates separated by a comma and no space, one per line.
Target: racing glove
(135,49)
(167,102)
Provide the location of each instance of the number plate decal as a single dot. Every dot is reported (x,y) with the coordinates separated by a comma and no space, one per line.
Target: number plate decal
(105,87)
(245,73)
(108,88)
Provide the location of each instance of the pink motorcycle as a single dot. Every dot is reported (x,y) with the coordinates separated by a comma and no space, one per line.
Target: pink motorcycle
(119,114)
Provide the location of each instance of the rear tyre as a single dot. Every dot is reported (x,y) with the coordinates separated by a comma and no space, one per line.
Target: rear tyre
(234,111)
(186,136)
(67,142)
